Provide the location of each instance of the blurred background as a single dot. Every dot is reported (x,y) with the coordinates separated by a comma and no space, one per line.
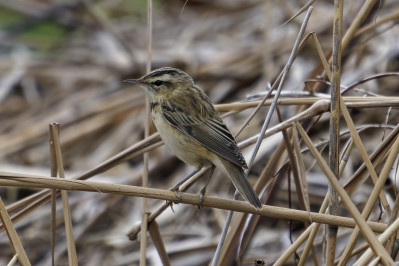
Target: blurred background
(64,61)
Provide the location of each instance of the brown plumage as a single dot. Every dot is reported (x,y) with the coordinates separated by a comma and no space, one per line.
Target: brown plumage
(191,127)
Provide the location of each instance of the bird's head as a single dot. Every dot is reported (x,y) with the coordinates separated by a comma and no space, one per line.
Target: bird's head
(163,82)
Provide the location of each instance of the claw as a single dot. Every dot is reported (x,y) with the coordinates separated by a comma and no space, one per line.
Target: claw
(178,194)
(170,203)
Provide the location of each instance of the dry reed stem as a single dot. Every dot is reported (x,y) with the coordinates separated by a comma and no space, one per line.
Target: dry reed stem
(378,249)
(373,25)
(373,77)
(315,226)
(143,238)
(351,102)
(322,57)
(53,224)
(323,208)
(378,155)
(394,216)
(359,144)
(298,169)
(293,162)
(305,235)
(53,173)
(351,32)
(333,151)
(294,246)
(223,235)
(32,181)
(13,261)
(300,11)
(391,230)
(156,237)
(349,35)
(147,121)
(30,207)
(72,255)
(15,242)
(345,157)
(355,252)
(377,190)
(314,229)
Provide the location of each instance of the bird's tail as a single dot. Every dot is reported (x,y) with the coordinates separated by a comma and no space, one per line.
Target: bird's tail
(241,183)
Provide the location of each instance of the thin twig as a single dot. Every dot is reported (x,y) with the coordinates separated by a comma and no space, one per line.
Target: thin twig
(53,173)
(224,233)
(147,118)
(280,87)
(72,255)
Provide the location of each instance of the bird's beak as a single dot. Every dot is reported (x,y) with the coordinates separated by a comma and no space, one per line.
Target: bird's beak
(132,81)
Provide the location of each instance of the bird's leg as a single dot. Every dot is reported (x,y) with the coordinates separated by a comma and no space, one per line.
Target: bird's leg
(176,187)
(202,192)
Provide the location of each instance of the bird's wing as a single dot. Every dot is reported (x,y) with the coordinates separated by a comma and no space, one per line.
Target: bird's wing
(211,132)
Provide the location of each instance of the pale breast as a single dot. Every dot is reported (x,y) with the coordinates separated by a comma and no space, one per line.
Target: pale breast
(184,147)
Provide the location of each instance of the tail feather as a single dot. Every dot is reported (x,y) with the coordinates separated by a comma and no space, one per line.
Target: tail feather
(241,183)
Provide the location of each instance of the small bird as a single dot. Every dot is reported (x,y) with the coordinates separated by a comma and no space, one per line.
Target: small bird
(191,127)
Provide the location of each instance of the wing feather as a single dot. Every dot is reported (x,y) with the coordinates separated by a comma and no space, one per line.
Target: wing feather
(210,132)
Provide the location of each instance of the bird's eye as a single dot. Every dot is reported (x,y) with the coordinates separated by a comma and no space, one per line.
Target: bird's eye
(158,83)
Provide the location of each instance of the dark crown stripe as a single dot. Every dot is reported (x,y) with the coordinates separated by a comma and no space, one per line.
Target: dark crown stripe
(158,73)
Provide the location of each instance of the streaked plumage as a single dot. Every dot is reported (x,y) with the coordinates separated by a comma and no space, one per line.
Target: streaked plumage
(191,127)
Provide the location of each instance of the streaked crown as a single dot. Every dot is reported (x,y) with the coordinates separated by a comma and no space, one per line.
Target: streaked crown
(163,82)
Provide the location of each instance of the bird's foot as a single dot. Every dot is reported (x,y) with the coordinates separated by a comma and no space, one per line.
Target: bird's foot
(178,194)
(201,195)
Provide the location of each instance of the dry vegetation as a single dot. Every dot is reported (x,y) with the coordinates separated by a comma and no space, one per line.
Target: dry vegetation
(64,63)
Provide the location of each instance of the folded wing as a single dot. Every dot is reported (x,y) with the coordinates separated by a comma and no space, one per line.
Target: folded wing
(210,132)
